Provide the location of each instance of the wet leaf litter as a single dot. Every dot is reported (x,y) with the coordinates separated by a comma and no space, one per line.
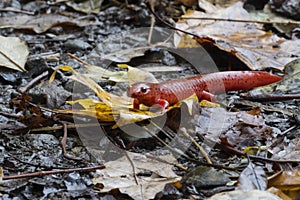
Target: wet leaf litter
(240,140)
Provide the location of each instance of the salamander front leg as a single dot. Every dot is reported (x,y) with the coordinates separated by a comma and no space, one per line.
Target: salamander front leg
(136,104)
(163,103)
(160,105)
(208,96)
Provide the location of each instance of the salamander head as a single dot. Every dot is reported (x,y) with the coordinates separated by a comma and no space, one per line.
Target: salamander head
(146,93)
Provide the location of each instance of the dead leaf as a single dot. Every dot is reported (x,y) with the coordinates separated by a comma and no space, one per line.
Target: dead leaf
(253,177)
(283,24)
(208,4)
(40,23)
(256,48)
(118,174)
(132,75)
(288,182)
(13,53)
(87,6)
(245,195)
(279,193)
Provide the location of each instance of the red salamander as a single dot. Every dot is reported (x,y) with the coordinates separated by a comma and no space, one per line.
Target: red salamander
(170,92)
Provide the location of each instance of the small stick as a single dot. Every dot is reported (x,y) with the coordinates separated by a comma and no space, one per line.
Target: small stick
(43,173)
(24,88)
(271,97)
(16,11)
(69,126)
(241,20)
(78,59)
(129,159)
(152,22)
(63,143)
(198,146)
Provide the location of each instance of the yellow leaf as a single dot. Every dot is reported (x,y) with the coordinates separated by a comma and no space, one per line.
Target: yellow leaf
(206,103)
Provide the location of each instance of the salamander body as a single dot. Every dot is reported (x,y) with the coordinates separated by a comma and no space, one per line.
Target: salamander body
(204,86)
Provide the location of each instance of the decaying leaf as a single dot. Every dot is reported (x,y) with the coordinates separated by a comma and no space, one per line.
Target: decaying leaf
(87,6)
(118,174)
(40,23)
(279,193)
(288,182)
(253,178)
(285,25)
(213,4)
(247,41)
(132,75)
(245,195)
(13,53)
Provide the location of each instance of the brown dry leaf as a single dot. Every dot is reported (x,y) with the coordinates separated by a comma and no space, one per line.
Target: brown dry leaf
(40,23)
(118,174)
(13,53)
(247,41)
(288,182)
(279,193)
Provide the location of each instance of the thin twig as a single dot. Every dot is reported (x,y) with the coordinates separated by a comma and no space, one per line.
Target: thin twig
(198,146)
(44,173)
(33,81)
(69,126)
(16,11)
(152,22)
(63,143)
(241,20)
(78,59)
(256,158)
(271,97)
(12,115)
(129,159)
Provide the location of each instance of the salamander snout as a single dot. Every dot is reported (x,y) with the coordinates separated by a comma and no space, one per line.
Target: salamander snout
(138,89)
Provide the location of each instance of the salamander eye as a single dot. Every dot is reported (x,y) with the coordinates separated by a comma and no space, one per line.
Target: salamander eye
(144,89)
